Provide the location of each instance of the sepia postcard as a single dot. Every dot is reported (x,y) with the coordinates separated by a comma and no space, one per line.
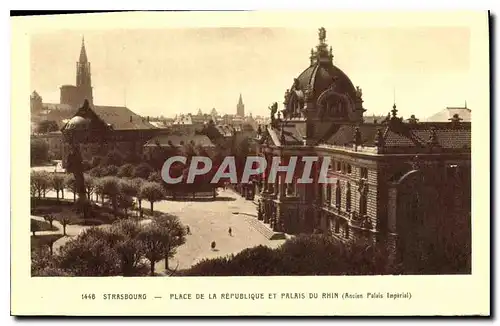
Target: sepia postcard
(251,164)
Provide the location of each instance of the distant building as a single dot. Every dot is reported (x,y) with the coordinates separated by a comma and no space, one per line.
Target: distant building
(74,95)
(240,107)
(118,128)
(450,113)
(155,147)
(100,130)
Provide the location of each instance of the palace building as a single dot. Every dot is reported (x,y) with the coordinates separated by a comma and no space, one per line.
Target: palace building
(402,185)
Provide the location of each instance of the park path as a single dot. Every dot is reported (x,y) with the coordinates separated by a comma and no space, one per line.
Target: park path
(208,221)
(71,231)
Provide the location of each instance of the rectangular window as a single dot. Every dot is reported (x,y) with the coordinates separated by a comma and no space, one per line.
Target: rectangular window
(364,173)
(337,225)
(349,169)
(346,232)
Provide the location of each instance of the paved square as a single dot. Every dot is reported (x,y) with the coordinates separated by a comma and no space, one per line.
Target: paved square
(209,221)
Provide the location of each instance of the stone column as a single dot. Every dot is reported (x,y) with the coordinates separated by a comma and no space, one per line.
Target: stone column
(267,210)
(260,214)
(277,227)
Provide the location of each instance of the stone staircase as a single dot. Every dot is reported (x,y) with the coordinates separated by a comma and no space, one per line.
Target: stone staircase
(264,229)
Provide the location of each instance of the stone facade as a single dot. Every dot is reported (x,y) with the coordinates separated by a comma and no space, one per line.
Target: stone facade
(371,198)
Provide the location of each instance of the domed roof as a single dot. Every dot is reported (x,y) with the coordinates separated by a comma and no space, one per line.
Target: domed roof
(323,89)
(322,73)
(78,123)
(320,76)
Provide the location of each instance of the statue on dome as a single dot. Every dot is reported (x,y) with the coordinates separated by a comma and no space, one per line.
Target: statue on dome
(287,97)
(322,34)
(273,108)
(359,92)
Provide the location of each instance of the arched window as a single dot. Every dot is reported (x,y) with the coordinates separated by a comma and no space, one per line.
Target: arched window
(363,203)
(348,198)
(363,198)
(338,194)
(329,194)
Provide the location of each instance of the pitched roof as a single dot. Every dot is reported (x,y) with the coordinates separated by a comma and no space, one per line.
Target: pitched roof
(179,140)
(344,135)
(448,113)
(119,117)
(405,135)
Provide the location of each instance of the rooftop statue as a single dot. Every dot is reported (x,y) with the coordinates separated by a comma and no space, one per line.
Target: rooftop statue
(322,34)
(273,108)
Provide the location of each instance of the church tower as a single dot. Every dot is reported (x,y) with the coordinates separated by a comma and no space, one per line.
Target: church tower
(83,77)
(240,108)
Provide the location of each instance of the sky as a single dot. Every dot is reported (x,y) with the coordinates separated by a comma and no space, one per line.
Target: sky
(169,71)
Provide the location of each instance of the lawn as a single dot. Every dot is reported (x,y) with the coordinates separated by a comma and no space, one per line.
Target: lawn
(41,241)
(41,226)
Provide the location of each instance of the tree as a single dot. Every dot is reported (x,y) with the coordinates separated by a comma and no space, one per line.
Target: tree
(49,240)
(90,254)
(127,244)
(142,170)
(153,192)
(110,170)
(137,185)
(43,264)
(97,171)
(128,187)
(65,220)
(35,227)
(155,177)
(114,157)
(98,189)
(125,171)
(39,151)
(49,218)
(46,126)
(40,182)
(175,233)
(111,188)
(155,243)
(71,185)
(125,202)
(90,186)
(58,183)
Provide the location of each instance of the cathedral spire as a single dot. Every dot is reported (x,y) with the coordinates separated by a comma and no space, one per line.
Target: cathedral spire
(240,108)
(83,52)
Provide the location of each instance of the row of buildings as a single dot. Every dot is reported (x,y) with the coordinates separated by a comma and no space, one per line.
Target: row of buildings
(135,135)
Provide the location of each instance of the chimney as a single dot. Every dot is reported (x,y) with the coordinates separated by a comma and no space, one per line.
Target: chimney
(130,118)
(147,118)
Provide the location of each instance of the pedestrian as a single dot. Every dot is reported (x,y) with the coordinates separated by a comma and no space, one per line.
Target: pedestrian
(230,231)
(213,245)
